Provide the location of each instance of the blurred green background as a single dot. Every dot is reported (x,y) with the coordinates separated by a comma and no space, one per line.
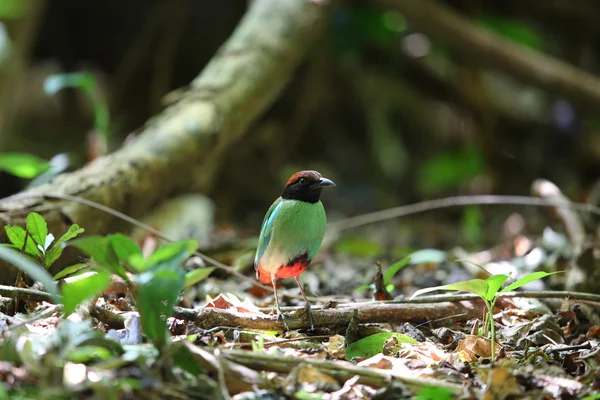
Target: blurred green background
(389,113)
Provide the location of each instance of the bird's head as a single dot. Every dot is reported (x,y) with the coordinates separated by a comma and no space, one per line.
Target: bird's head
(305,186)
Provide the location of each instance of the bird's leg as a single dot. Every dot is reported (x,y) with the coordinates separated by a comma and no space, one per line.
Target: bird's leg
(279,312)
(306,305)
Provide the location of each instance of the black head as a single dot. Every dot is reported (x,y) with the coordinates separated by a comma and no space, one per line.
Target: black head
(305,186)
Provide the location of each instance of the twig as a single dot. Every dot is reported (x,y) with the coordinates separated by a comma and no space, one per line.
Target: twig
(447,202)
(26,294)
(338,369)
(108,317)
(461,34)
(282,341)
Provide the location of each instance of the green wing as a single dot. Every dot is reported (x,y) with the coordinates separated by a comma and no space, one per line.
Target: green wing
(266,230)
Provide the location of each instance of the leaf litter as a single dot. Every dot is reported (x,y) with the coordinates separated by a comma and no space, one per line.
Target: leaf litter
(546,348)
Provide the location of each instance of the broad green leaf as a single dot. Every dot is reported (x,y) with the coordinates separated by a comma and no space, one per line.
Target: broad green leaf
(393,269)
(35,271)
(87,354)
(166,254)
(372,345)
(494,283)
(24,166)
(78,290)
(477,286)
(435,393)
(534,276)
(157,293)
(184,248)
(69,270)
(123,247)
(37,228)
(197,275)
(99,249)
(71,233)
(53,254)
(16,235)
(428,256)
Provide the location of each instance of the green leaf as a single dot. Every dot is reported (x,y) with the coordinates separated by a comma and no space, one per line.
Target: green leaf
(35,271)
(182,249)
(69,270)
(179,250)
(435,393)
(37,228)
(16,235)
(71,233)
(78,290)
(99,249)
(428,256)
(87,354)
(123,247)
(157,293)
(197,275)
(372,345)
(494,283)
(477,286)
(527,279)
(393,269)
(52,255)
(24,166)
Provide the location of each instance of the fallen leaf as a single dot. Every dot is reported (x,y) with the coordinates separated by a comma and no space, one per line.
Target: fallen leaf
(228,301)
(336,347)
(473,347)
(500,383)
(426,352)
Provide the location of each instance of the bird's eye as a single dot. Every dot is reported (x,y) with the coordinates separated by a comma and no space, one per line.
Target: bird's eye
(303,181)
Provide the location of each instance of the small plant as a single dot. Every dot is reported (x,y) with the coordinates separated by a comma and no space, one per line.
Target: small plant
(157,280)
(35,241)
(489,290)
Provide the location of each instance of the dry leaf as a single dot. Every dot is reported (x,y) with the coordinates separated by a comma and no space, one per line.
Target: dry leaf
(473,347)
(228,301)
(336,347)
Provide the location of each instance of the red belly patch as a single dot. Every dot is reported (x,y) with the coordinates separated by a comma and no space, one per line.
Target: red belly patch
(292,269)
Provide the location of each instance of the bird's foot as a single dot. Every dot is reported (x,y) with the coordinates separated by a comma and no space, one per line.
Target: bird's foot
(281,315)
(308,311)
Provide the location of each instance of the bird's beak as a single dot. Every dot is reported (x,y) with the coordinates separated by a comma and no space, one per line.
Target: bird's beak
(324,182)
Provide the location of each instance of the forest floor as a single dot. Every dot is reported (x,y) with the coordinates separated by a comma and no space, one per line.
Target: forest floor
(369,340)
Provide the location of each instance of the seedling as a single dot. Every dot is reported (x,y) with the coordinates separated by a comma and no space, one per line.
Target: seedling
(489,290)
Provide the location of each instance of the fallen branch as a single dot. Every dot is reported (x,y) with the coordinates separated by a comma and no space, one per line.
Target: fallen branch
(340,370)
(462,35)
(26,294)
(208,318)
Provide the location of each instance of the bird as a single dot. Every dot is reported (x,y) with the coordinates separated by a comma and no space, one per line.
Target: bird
(291,233)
